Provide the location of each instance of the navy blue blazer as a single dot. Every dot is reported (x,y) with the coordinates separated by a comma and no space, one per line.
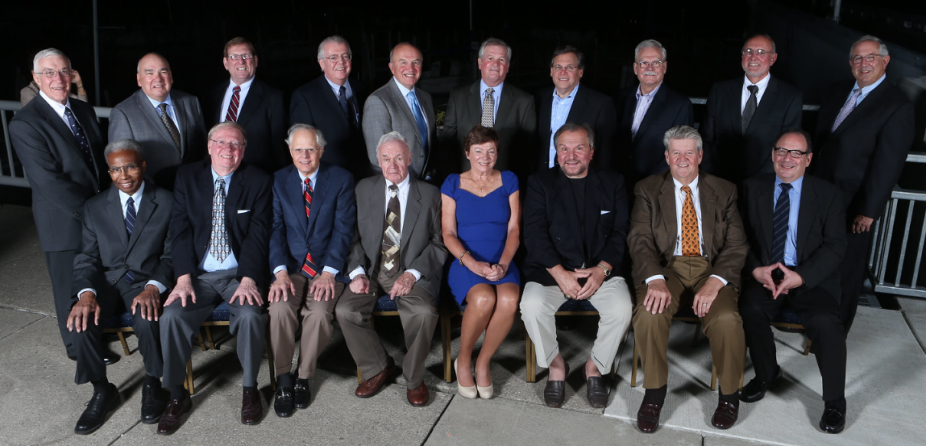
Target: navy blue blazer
(326,233)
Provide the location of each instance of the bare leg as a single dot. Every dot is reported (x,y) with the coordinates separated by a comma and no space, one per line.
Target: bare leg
(506,305)
(557,369)
(591,369)
(480,303)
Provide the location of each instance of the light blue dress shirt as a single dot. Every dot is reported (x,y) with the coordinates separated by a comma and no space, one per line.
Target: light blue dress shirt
(795,196)
(496,96)
(411,106)
(210,263)
(170,110)
(865,91)
(558,115)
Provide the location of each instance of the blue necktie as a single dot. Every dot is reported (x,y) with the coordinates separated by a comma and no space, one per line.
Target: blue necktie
(780,223)
(78,132)
(419,119)
(129,226)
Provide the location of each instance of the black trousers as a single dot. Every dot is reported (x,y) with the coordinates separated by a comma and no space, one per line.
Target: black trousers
(819,313)
(853,274)
(61,271)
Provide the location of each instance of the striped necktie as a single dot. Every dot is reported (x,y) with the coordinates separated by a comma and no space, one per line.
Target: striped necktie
(308,266)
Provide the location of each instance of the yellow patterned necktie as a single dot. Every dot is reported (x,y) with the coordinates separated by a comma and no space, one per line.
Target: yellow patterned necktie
(690,243)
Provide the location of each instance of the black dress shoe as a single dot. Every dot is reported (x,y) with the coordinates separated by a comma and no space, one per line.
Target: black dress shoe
(596,392)
(755,390)
(100,406)
(554,394)
(833,420)
(252,410)
(283,402)
(110,358)
(301,394)
(153,403)
(173,415)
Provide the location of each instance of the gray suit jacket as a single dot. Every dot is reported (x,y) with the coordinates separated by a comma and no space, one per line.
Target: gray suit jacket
(421,246)
(135,118)
(386,110)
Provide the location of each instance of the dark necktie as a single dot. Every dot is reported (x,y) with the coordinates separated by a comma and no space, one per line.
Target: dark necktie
(308,266)
(169,123)
(419,119)
(78,132)
(232,113)
(780,224)
(218,241)
(342,99)
(751,105)
(129,226)
(392,233)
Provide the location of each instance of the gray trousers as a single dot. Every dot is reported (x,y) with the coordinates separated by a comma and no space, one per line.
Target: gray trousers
(248,323)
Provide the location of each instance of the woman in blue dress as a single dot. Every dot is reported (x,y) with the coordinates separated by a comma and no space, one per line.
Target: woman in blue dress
(480,216)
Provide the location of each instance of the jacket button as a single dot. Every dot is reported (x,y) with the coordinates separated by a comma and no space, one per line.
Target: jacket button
(114,280)
(557,238)
(126,266)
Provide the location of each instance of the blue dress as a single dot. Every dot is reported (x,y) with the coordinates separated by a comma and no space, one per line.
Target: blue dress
(482,227)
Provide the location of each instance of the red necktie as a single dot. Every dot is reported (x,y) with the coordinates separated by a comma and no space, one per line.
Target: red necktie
(232,114)
(308,267)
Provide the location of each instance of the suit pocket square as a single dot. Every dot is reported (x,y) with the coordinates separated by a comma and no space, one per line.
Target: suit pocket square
(243,211)
(605,212)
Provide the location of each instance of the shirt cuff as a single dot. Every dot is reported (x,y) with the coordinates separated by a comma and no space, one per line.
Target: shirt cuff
(331,270)
(356,272)
(280,268)
(657,276)
(720,279)
(415,273)
(161,287)
(85,290)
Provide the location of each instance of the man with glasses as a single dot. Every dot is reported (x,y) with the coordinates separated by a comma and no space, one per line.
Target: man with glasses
(334,105)
(796,231)
(744,116)
(60,146)
(167,123)
(864,131)
(220,229)
(567,102)
(254,105)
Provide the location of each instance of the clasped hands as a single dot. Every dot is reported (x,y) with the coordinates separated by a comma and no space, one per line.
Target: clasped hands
(791,279)
(568,281)
(491,272)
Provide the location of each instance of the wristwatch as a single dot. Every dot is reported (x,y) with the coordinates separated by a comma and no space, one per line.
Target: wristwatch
(607,272)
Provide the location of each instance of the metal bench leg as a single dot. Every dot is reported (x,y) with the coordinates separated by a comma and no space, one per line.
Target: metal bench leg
(125,347)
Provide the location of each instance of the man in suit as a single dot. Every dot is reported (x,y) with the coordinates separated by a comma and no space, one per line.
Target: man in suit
(254,105)
(168,123)
(796,228)
(688,248)
(333,104)
(575,226)
(124,263)
(569,103)
(399,107)
(60,146)
(314,214)
(396,250)
(646,112)
(745,116)
(221,230)
(864,132)
(492,103)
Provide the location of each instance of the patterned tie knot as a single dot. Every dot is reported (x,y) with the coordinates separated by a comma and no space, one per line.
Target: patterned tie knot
(237,89)
(308,185)
(686,190)
(393,190)
(489,91)
(220,183)
(754,89)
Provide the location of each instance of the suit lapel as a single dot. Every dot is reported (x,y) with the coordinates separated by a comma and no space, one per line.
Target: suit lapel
(144,214)
(806,215)
(182,124)
(331,101)
(231,201)
(372,229)
(318,197)
(294,198)
(708,202)
(861,109)
(57,123)
(251,103)
(669,217)
(116,217)
(579,104)
(153,117)
(765,208)
(593,197)
(505,105)
(400,103)
(768,103)
(655,108)
(735,112)
(412,210)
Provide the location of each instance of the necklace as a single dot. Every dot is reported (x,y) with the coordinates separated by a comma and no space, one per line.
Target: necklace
(482,186)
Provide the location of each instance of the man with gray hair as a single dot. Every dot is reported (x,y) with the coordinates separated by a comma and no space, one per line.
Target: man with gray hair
(688,248)
(396,256)
(314,215)
(334,105)
(495,104)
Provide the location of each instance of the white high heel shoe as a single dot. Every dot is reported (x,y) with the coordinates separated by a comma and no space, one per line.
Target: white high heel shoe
(484,392)
(466,392)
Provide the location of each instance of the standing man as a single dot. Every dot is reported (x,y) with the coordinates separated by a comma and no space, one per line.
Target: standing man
(60,146)
(397,250)
(796,229)
(863,135)
(575,226)
(254,105)
(399,107)
(314,215)
(647,111)
(333,105)
(124,264)
(221,230)
(494,104)
(167,123)
(688,248)
(569,103)
(744,117)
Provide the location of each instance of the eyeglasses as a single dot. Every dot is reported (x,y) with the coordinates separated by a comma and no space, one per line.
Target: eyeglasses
(128,168)
(781,151)
(334,58)
(568,68)
(51,74)
(758,53)
(233,144)
(306,151)
(244,56)
(654,64)
(857,60)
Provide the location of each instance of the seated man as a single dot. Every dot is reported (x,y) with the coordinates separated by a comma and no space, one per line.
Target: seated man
(120,267)
(221,230)
(314,214)
(397,249)
(575,227)
(688,248)
(796,228)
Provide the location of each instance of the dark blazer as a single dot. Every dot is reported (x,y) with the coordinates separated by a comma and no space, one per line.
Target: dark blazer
(515,122)
(589,107)
(821,230)
(247,219)
(108,252)
(732,155)
(866,153)
(54,164)
(644,155)
(263,117)
(326,233)
(551,221)
(422,248)
(654,227)
(315,104)
(135,118)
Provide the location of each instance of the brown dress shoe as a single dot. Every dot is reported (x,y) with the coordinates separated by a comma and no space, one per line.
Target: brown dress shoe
(648,417)
(251,408)
(726,414)
(418,397)
(173,415)
(372,386)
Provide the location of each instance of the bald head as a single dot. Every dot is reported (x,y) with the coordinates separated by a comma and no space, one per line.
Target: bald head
(154,76)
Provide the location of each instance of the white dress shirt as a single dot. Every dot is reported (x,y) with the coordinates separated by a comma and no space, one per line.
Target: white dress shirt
(403,200)
(762,84)
(230,91)
(59,109)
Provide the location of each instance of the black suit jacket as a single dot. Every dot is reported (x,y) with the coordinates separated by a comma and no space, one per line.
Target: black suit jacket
(263,117)
(733,155)
(866,153)
(644,155)
(821,230)
(248,219)
(551,223)
(589,107)
(315,104)
(54,164)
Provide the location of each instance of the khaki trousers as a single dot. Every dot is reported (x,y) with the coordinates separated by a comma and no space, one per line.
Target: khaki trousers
(723,325)
(316,317)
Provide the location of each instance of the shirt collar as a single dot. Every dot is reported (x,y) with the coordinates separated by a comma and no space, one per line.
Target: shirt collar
(124,197)
(216,176)
(761,84)
(865,90)
(496,90)
(155,103)
(693,185)
(311,177)
(402,88)
(245,86)
(336,88)
(571,95)
(796,185)
(651,94)
(55,105)
(403,185)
